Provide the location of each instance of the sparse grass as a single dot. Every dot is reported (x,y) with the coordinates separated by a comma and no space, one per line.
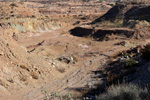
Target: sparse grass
(57,96)
(126,54)
(45,92)
(114,24)
(130,63)
(122,92)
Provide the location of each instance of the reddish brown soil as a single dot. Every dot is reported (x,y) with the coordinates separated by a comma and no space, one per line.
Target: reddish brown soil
(41,53)
(90,55)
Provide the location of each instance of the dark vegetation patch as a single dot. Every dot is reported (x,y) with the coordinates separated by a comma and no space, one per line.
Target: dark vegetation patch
(125,92)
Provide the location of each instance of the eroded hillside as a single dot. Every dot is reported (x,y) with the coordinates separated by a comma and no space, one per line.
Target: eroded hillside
(21,69)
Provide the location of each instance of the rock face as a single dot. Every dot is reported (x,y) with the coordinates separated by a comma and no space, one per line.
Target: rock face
(32,25)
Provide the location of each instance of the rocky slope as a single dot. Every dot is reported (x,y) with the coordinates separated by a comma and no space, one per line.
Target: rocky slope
(21,69)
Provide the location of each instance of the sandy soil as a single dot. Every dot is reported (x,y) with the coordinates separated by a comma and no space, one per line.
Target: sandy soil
(91,55)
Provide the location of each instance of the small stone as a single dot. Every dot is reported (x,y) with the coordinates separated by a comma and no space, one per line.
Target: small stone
(23,66)
(1,53)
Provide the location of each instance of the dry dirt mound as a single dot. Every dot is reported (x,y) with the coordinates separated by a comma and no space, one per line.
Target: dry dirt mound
(135,17)
(138,13)
(126,12)
(115,13)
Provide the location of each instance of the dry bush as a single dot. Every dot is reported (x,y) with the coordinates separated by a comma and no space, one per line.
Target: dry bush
(116,23)
(130,63)
(146,95)
(111,77)
(75,58)
(84,92)
(122,92)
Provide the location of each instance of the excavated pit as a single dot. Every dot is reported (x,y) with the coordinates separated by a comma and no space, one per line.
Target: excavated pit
(34,61)
(103,34)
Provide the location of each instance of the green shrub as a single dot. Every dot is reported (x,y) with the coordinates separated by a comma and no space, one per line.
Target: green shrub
(130,63)
(122,92)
